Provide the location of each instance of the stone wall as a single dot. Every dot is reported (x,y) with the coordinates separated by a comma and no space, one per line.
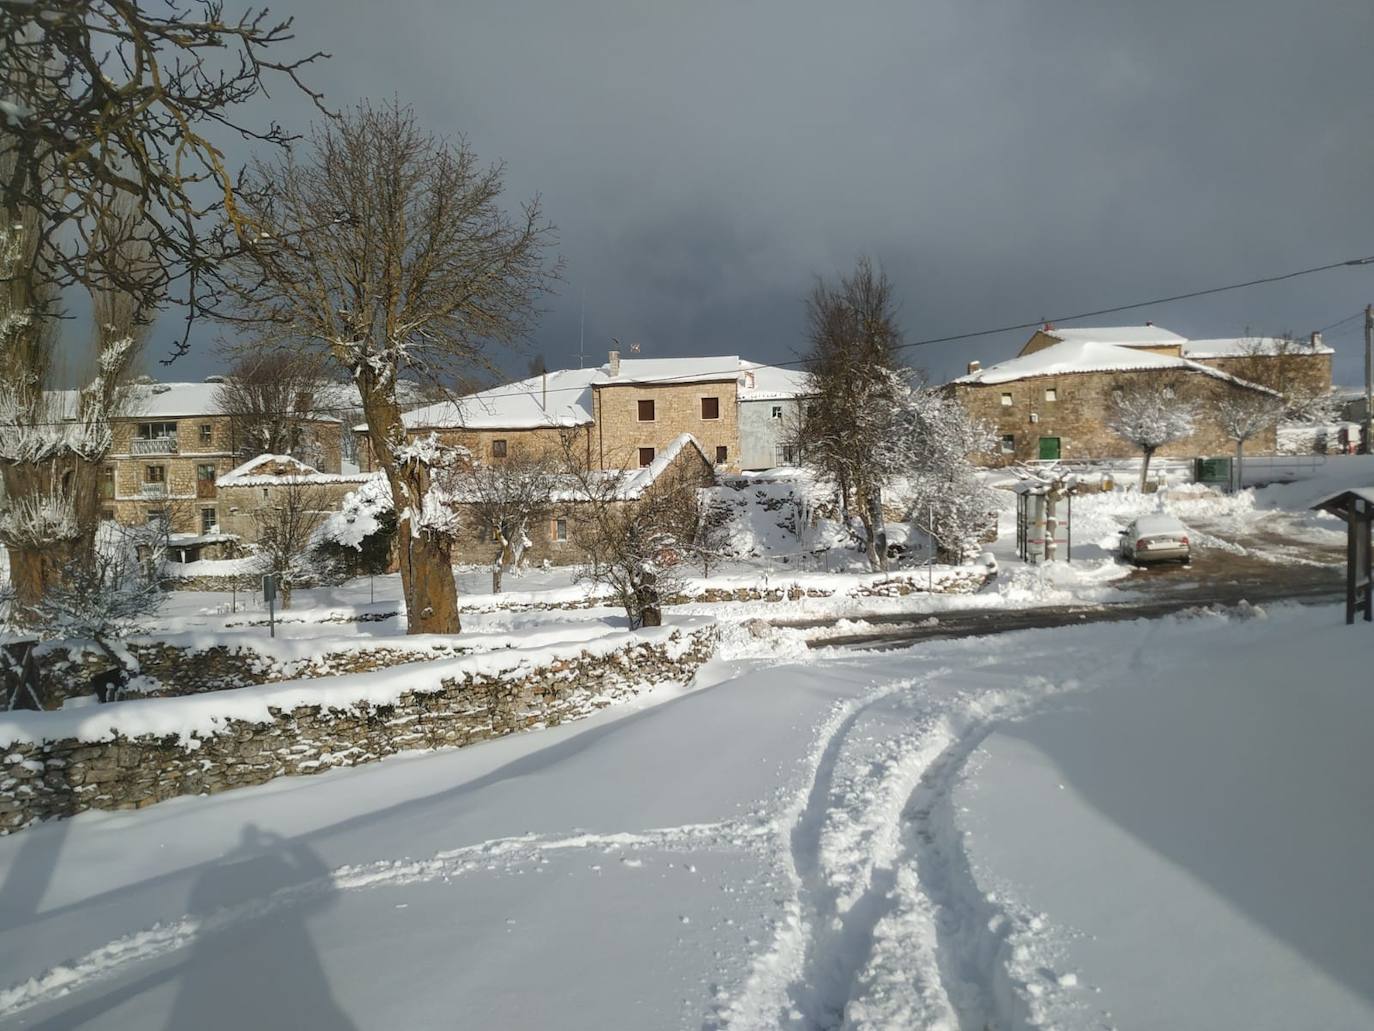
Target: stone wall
(171,671)
(1075,408)
(61,778)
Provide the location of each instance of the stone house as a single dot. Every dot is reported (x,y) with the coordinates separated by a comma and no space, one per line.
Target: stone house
(620,415)
(275,480)
(170,450)
(1054,401)
(1280,363)
(556,537)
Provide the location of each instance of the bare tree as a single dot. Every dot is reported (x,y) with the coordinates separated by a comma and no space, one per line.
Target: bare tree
(1151,415)
(271,395)
(853,373)
(635,536)
(1285,365)
(709,529)
(286,526)
(506,499)
(1245,414)
(106,100)
(392,255)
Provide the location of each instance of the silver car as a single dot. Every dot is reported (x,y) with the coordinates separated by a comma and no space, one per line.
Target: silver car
(1155,538)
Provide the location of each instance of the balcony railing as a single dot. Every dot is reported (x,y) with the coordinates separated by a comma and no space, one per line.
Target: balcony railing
(152,490)
(154,446)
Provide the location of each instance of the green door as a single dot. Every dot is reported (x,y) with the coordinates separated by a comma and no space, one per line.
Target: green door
(1049,449)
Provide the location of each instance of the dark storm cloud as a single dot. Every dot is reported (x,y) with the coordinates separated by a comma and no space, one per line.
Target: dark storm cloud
(704,161)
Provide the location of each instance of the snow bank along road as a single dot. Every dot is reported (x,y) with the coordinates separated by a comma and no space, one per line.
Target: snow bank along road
(787,844)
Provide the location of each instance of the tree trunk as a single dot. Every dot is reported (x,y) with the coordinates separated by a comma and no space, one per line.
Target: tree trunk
(1145,468)
(496,576)
(1240,466)
(879,529)
(425,561)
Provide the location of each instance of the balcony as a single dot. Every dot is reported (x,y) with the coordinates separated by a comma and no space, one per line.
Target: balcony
(154,446)
(152,490)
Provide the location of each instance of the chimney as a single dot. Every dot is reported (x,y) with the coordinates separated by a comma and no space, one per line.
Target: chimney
(613,360)
(974,366)
(1048,326)
(1149,323)
(1316,339)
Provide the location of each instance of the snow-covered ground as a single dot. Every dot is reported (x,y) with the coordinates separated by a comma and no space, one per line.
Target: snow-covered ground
(1137,825)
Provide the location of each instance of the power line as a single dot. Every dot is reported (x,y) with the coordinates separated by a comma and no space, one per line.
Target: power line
(340,411)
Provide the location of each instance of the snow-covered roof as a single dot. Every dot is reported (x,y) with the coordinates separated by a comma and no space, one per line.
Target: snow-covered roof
(266,470)
(1072,356)
(1125,336)
(1365,493)
(564,397)
(770,382)
(1240,347)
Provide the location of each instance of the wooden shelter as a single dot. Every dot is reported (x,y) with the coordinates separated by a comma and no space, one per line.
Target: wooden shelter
(1356,507)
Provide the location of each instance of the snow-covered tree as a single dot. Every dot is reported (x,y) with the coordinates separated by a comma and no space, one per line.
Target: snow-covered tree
(506,498)
(854,376)
(101,600)
(1245,414)
(1151,415)
(387,249)
(928,445)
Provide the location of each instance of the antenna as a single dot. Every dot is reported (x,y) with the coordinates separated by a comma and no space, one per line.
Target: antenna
(582,331)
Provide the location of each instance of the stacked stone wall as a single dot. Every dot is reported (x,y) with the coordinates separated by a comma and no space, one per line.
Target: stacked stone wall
(51,779)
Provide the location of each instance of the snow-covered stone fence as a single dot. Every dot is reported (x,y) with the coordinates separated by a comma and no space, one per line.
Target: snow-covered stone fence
(135,754)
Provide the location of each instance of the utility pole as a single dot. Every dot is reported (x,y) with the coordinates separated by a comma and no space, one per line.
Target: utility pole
(1368,377)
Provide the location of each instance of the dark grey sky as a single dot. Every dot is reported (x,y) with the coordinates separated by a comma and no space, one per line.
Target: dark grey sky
(1004,160)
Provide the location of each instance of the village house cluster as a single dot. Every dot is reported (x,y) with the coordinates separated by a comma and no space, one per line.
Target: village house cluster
(177,456)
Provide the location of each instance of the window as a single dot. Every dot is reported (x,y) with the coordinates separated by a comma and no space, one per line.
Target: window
(205,473)
(498,449)
(710,408)
(560,529)
(646,454)
(1006,400)
(646,411)
(156,516)
(207,433)
(207,520)
(107,514)
(1168,391)
(722,454)
(1009,444)
(156,430)
(1051,394)
(107,482)
(785,454)
(777,411)
(154,474)
(1117,396)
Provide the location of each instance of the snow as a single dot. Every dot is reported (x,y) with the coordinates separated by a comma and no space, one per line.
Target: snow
(1014,831)
(1085,355)
(1129,336)
(1151,525)
(760,382)
(1239,347)
(245,475)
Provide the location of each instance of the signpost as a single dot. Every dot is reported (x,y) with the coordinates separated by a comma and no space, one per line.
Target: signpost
(269,595)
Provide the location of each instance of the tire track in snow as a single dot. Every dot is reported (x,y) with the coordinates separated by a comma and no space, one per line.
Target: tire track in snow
(888,927)
(500,854)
